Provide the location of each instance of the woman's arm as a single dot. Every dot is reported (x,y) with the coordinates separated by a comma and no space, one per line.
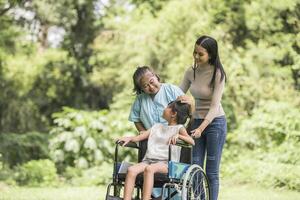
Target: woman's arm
(214,106)
(139,126)
(134,115)
(216,98)
(185,83)
(184,86)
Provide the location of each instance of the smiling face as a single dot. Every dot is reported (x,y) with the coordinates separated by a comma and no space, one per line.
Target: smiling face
(149,83)
(201,55)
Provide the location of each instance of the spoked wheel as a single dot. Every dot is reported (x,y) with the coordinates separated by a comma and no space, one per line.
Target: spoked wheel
(195,184)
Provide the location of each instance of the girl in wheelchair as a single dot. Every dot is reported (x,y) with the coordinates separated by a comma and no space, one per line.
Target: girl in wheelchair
(159,138)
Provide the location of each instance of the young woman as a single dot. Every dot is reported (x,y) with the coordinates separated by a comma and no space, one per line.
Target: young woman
(206,80)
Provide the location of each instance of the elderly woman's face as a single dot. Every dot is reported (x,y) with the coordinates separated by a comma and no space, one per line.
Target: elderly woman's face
(200,55)
(149,83)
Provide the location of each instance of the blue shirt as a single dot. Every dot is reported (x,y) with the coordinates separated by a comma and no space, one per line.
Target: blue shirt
(148,110)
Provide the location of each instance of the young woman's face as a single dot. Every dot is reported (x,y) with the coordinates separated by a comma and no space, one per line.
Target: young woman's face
(149,83)
(200,55)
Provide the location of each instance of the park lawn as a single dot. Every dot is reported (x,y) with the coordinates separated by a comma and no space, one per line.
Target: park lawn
(48,193)
(233,191)
(229,191)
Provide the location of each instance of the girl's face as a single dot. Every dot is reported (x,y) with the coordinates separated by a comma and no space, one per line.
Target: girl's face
(149,83)
(200,55)
(168,114)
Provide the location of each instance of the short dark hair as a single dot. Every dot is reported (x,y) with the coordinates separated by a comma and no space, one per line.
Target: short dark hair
(183,111)
(138,74)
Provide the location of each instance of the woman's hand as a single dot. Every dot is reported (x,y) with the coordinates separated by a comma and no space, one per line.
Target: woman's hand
(185,99)
(126,140)
(196,133)
(173,139)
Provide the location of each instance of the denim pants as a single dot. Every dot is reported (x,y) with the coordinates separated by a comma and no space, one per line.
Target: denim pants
(210,144)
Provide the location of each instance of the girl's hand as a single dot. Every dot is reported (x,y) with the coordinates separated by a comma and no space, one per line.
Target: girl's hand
(196,133)
(173,139)
(126,140)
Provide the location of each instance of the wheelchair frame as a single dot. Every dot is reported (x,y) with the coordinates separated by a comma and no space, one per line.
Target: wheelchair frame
(187,186)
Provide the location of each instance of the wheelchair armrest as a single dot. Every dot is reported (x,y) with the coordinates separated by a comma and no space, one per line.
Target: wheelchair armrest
(184,144)
(129,144)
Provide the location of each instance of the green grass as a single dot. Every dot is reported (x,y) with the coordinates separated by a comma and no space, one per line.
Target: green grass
(229,191)
(63,193)
(233,191)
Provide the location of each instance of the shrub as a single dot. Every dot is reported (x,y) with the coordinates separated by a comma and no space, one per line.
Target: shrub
(263,149)
(1,162)
(249,169)
(36,173)
(271,125)
(78,139)
(20,148)
(6,173)
(98,175)
(84,139)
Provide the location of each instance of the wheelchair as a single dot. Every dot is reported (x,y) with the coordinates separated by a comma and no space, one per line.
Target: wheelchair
(187,180)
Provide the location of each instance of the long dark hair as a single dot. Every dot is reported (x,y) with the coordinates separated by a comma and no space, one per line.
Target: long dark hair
(211,46)
(138,74)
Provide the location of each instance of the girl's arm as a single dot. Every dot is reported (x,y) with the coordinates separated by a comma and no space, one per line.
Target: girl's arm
(182,135)
(142,136)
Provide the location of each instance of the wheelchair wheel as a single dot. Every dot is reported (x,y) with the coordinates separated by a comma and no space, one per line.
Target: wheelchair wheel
(195,184)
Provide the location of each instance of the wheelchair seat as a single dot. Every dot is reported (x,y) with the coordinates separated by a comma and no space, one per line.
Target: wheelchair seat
(160,179)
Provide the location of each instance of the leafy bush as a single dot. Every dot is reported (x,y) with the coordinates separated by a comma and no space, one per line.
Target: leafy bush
(272,124)
(20,148)
(269,174)
(1,162)
(6,173)
(263,149)
(84,139)
(36,173)
(87,138)
(75,140)
(7,176)
(97,175)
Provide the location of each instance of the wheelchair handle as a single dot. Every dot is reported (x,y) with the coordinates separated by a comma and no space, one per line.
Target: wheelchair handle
(184,144)
(129,144)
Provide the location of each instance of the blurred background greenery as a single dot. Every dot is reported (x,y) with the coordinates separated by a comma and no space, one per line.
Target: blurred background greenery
(66,88)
